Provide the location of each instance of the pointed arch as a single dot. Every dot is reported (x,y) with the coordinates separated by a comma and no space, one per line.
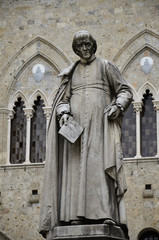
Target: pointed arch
(40,44)
(38,127)
(134,93)
(38,47)
(14,98)
(34,96)
(147,230)
(144,40)
(137,53)
(143,89)
(31,59)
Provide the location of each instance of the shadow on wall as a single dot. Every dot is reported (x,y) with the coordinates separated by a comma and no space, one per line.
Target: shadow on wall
(3,236)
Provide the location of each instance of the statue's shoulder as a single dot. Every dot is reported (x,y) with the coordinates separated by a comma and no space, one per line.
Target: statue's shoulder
(67,71)
(106,62)
(108,65)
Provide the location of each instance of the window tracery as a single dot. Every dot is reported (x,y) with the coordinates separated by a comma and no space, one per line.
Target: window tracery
(18,133)
(145,132)
(149,235)
(38,133)
(136,134)
(129,133)
(148,127)
(27,129)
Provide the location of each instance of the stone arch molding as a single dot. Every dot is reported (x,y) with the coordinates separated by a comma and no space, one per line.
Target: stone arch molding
(14,98)
(28,103)
(135,96)
(146,230)
(28,53)
(34,96)
(138,96)
(145,40)
(152,90)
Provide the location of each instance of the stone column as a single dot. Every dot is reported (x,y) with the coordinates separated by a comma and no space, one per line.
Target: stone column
(10,116)
(156,107)
(29,114)
(47,113)
(138,108)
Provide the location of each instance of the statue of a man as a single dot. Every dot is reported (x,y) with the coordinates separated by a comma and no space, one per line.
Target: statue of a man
(84,181)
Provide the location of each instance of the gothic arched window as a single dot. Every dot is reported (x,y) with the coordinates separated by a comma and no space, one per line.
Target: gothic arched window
(38,133)
(18,134)
(149,235)
(148,127)
(129,133)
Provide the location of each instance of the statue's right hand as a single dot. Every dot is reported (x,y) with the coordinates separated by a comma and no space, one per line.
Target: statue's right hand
(64,120)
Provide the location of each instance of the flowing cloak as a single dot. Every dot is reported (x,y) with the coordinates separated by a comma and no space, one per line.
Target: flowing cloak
(59,190)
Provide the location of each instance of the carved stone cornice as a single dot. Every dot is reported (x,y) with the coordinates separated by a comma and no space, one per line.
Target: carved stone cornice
(28,112)
(156,104)
(4,111)
(10,114)
(47,111)
(137,106)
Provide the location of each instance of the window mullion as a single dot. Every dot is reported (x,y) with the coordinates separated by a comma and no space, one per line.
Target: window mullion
(47,113)
(138,108)
(29,114)
(9,117)
(156,107)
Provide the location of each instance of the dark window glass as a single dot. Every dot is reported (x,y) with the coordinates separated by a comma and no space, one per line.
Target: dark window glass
(148,127)
(149,235)
(129,133)
(18,134)
(38,133)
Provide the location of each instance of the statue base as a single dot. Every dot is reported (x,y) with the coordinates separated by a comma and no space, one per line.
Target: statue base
(87,232)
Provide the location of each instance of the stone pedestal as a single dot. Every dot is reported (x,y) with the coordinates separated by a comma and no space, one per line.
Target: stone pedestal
(88,232)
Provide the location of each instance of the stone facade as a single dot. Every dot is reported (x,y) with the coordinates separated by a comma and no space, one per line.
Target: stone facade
(41,31)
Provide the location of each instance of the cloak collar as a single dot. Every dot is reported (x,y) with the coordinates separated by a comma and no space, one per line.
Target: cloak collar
(67,71)
(83,61)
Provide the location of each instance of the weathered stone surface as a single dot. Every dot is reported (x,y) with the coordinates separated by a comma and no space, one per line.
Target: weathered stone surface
(100,231)
(114,24)
(141,212)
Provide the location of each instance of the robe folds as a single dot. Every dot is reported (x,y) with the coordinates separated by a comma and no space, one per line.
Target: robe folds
(85,179)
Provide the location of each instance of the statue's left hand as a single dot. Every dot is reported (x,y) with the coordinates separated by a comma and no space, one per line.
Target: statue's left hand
(64,120)
(113,112)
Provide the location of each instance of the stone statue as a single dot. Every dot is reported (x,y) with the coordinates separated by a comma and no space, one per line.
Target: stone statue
(84,181)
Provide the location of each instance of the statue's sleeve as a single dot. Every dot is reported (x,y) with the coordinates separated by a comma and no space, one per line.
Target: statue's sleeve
(120,90)
(64,106)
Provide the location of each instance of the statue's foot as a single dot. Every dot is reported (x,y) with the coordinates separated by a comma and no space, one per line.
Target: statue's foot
(109,222)
(76,222)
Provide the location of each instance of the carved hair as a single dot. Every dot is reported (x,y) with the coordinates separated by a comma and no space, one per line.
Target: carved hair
(82,34)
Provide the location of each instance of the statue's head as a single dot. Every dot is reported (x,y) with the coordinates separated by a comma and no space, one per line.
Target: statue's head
(84,45)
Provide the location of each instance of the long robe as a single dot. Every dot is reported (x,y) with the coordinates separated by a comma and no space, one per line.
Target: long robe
(86,179)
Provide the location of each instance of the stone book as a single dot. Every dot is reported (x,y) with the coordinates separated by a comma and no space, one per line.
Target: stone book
(71,131)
